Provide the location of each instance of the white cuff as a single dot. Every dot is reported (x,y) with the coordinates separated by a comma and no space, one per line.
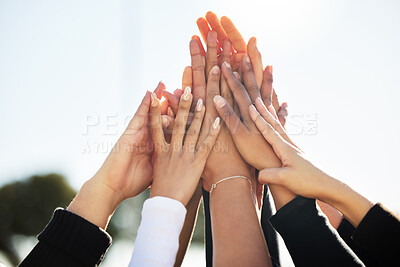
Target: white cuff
(157,240)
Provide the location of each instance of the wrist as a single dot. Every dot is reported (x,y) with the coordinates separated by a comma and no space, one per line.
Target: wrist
(95,202)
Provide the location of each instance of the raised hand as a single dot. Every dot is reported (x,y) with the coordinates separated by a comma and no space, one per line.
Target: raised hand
(179,165)
(126,172)
(299,175)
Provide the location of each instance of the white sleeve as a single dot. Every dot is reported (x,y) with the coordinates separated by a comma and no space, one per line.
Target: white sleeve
(157,240)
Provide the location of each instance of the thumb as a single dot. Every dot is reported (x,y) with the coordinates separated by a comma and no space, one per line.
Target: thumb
(271,176)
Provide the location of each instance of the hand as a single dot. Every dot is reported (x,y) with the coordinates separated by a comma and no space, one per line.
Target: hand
(252,146)
(224,160)
(299,175)
(126,172)
(227,30)
(178,166)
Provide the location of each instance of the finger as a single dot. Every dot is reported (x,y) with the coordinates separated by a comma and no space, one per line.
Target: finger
(256,60)
(266,87)
(202,51)
(231,119)
(199,78)
(206,146)
(192,135)
(202,24)
(279,145)
(234,35)
(179,92)
(275,101)
(249,78)
(212,52)
(164,106)
(236,59)
(173,101)
(160,87)
(170,112)
(215,24)
(283,113)
(212,90)
(181,120)
(269,115)
(166,121)
(157,134)
(226,57)
(239,93)
(187,79)
(141,115)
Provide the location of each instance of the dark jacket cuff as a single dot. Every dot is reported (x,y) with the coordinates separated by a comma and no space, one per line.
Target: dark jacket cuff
(76,236)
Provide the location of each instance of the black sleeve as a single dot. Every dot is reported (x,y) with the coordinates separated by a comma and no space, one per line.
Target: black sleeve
(207,230)
(69,240)
(346,231)
(310,239)
(269,232)
(379,234)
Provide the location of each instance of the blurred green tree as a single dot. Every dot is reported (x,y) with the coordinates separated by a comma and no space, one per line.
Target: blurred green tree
(26,207)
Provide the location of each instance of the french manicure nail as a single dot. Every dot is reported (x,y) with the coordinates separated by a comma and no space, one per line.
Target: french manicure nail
(216,123)
(154,99)
(219,101)
(227,65)
(186,94)
(199,106)
(215,70)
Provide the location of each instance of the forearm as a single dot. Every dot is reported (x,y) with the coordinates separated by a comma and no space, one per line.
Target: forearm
(350,203)
(234,221)
(188,227)
(95,202)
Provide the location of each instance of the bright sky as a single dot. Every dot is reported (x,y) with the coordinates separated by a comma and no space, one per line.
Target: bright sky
(67,64)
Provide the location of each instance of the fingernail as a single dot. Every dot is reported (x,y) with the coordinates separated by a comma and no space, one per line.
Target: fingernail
(186,94)
(165,121)
(227,65)
(253,112)
(255,41)
(199,106)
(215,70)
(154,99)
(236,75)
(216,123)
(219,101)
(247,58)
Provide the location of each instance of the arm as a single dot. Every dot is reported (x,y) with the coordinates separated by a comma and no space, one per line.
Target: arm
(177,170)
(377,230)
(125,173)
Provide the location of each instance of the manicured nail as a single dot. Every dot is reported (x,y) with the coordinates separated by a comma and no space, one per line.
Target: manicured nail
(165,121)
(237,75)
(246,57)
(255,41)
(227,65)
(215,70)
(199,106)
(219,101)
(216,123)
(186,94)
(154,99)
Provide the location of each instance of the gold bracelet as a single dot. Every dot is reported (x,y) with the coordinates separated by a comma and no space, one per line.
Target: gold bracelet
(213,186)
